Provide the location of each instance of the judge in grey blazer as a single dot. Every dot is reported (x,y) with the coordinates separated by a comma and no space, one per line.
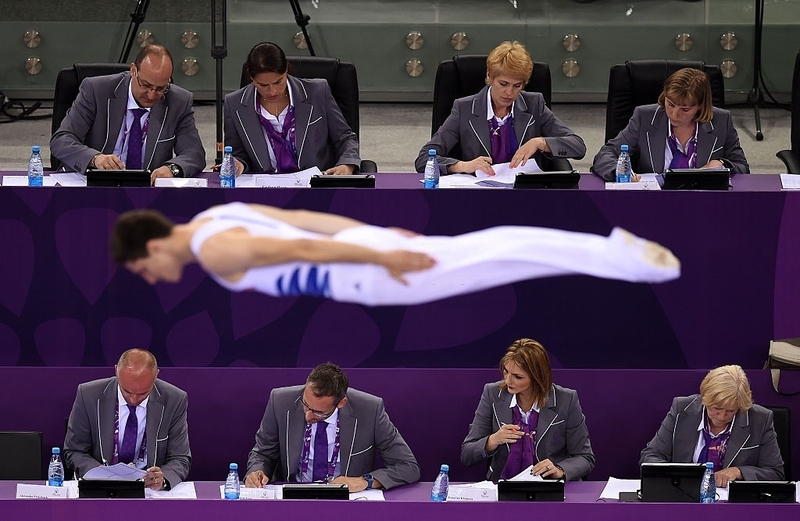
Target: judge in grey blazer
(357,429)
(99,419)
(501,123)
(721,425)
(527,420)
(682,130)
(280,123)
(96,130)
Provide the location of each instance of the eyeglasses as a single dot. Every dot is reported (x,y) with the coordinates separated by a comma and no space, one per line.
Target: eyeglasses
(158,90)
(319,414)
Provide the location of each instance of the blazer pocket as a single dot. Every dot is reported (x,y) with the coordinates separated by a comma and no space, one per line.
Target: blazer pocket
(751,447)
(159,440)
(361,451)
(316,120)
(171,138)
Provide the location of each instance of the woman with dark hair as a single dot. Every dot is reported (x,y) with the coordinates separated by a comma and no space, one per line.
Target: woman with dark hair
(682,130)
(280,123)
(526,419)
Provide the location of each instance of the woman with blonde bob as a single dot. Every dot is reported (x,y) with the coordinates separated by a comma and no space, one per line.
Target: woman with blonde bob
(502,123)
(682,130)
(526,419)
(721,425)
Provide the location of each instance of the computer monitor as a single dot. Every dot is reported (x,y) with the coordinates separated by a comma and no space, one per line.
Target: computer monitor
(697,179)
(110,488)
(567,179)
(315,491)
(547,490)
(118,178)
(672,482)
(762,492)
(343,181)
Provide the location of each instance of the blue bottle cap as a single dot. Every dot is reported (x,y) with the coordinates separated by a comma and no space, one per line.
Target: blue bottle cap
(432,152)
(35,148)
(228,149)
(234,466)
(56,450)
(623,148)
(445,467)
(709,465)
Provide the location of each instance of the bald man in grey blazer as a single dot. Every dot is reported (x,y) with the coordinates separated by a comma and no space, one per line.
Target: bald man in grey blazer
(162,444)
(646,137)
(358,430)
(322,136)
(95,131)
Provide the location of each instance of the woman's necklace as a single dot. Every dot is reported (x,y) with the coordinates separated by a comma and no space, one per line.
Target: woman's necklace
(276,108)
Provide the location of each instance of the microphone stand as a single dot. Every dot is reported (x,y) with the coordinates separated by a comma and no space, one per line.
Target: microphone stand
(219,50)
(755,97)
(137,17)
(302,21)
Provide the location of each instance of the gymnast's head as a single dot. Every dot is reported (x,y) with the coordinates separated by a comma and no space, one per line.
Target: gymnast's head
(140,242)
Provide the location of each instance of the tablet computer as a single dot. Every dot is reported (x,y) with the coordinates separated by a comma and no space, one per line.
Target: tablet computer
(762,492)
(343,181)
(110,488)
(118,178)
(315,491)
(547,490)
(697,179)
(672,482)
(561,180)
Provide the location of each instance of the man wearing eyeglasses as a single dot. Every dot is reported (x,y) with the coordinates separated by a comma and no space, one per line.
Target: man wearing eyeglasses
(133,120)
(324,432)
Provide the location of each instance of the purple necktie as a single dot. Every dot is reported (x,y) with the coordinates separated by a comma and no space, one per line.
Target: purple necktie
(521,454)
(320,452)
(134,159)
(127,453)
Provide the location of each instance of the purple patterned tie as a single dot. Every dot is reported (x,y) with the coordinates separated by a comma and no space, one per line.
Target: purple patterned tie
(320,452)
(134,159)
(521,454)
(127,453)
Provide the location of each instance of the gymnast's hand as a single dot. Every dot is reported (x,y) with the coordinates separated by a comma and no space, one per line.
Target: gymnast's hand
(400,262)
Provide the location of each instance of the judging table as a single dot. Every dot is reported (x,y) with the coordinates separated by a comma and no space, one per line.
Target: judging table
(403,503)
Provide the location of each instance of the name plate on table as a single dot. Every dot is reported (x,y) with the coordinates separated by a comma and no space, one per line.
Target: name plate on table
(28,491)
(484,491)
(265,492)
(181,182)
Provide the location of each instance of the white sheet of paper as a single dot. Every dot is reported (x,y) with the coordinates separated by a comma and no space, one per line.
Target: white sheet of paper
(22,180)
(368,495)
(118,471)
(647,182)
(28,491)
(526,475)
(790,181)
(69,178)
(266,492)
(180,182)
(294,180)
(615,485)
(184,490)
(504,177)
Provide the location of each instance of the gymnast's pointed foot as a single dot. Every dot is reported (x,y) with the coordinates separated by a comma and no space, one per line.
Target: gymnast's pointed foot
(648,261)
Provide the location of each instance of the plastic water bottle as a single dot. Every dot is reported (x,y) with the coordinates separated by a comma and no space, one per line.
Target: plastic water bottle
(232,482)
(432,170)
(35,167)
(227,170)
(624,170)
(55,471)
(708,487)
(440,486)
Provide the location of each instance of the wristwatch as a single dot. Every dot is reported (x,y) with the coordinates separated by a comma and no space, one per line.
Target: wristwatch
(176,170)
(369,479)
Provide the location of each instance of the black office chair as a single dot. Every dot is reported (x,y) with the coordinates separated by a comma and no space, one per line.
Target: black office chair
(791,158)
(343,81)
(68,83)
(465,75)
(21,455)
(781,419)
(639,82)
